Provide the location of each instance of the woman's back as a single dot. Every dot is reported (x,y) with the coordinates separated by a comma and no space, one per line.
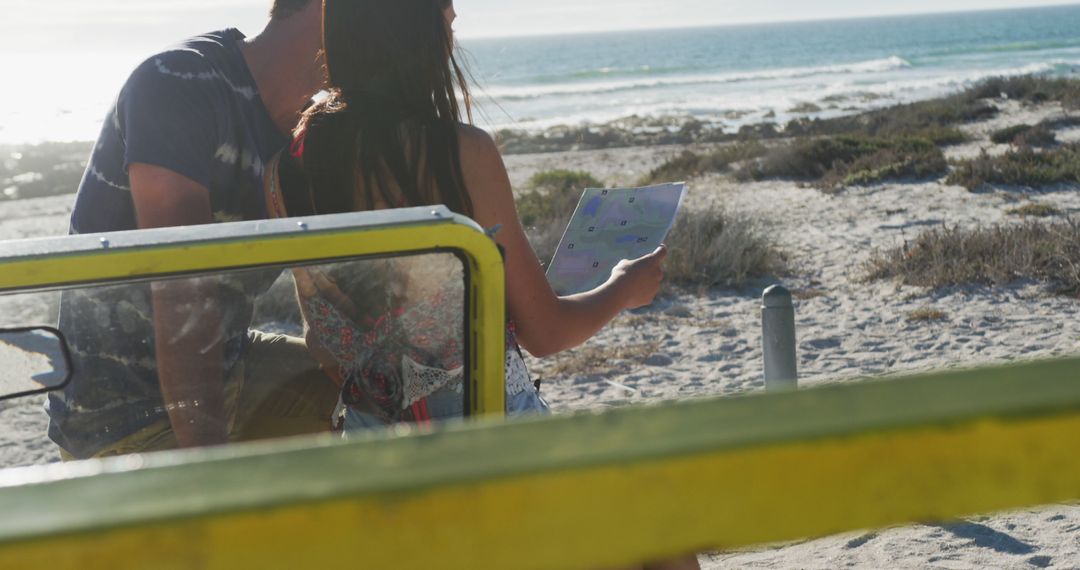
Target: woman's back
(393,330)
(391,134)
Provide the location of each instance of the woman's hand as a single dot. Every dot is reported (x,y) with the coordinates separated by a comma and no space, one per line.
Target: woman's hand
(546,323)
(638,280)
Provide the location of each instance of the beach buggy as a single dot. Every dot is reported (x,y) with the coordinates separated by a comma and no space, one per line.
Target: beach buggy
(579,491)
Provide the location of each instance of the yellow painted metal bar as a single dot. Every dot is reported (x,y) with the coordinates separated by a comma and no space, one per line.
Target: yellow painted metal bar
(484,263)
(585,491)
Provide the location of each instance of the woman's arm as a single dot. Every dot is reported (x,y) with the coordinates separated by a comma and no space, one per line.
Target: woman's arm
(546,323)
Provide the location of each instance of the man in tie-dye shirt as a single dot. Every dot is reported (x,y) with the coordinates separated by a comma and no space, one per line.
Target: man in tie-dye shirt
(186,143)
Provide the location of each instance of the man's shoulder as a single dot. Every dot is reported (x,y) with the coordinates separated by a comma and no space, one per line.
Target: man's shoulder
(197,62)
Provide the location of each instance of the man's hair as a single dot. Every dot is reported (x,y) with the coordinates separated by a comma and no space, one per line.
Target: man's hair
(286,8)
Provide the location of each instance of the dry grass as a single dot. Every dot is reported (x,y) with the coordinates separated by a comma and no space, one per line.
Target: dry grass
(998,255)
(927,315)
(808,294)
(638,321)
(590,360)
(1034,211)
(711,247)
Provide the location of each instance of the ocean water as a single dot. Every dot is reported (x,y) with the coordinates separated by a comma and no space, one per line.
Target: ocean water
(748,74)
(729,76)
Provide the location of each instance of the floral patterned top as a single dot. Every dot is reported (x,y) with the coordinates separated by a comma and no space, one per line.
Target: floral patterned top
(401,337)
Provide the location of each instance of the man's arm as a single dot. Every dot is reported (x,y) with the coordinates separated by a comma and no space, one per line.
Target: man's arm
(187,318)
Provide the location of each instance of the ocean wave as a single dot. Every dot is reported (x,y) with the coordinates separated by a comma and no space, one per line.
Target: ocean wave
(1014,47)
(733,109)
(519,93)
(616,71)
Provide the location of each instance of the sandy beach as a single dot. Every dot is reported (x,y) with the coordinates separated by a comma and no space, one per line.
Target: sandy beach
(707,344)
(691,345)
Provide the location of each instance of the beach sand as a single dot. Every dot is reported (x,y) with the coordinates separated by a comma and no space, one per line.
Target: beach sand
(691,345)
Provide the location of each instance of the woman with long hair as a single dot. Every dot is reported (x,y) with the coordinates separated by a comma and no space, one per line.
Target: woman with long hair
(394,132)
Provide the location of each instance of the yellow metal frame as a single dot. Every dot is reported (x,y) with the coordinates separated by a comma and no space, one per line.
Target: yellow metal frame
(185,252)
(588,491)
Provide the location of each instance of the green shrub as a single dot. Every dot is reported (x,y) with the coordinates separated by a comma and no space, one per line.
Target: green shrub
(995,255)
(1019,167)
(627,132)
(933,120)
(546,206)
(553,195)
(685,166)
(1028,88)
(805,108)
(1062,122)
(689,165)
(1025,135)
(563,181)
(1009,134)
(892,164)
(849,160)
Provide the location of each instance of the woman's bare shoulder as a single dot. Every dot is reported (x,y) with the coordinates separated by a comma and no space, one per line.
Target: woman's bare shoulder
(476,144)
(485,176)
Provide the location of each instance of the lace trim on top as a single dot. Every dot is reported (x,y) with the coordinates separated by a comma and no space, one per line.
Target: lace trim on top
(422,381)
(517,374)
(381,364)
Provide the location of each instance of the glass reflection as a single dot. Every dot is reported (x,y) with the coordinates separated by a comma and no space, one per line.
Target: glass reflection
(244,355)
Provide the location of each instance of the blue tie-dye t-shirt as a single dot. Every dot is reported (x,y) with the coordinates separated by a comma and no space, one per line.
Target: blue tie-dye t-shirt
(195,110)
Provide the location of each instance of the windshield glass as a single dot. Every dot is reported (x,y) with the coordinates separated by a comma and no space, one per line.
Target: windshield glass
(342,347)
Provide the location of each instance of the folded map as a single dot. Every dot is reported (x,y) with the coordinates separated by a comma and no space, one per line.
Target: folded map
(611,225)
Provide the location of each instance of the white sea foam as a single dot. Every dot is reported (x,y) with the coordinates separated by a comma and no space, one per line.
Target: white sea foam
(511,93)
(774,97)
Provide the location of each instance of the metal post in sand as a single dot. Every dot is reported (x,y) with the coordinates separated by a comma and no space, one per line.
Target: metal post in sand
(778,340)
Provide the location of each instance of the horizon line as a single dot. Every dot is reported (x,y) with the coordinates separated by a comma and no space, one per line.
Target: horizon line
(748,23)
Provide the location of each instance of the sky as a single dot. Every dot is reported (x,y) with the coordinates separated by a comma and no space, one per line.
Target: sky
(43,26)
(484,18)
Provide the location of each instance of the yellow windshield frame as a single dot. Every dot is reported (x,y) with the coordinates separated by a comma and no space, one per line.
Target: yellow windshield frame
(154,254)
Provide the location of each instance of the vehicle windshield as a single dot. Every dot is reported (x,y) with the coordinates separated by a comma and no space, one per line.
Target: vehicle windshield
(344,347)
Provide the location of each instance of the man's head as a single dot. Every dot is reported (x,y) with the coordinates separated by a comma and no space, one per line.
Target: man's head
(285,8)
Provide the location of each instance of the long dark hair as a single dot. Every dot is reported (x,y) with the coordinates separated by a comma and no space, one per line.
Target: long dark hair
(388,132)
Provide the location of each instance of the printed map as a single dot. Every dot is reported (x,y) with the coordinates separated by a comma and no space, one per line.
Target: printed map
(609,226)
